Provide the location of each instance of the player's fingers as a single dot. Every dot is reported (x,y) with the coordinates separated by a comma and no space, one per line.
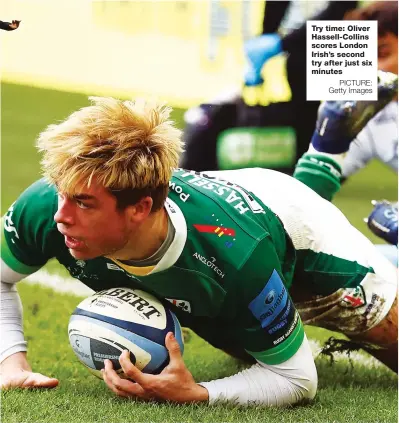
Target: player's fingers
(28,380)
(119,386)
(173,348)
(123,387)
(40,381)
(132,371)
(111,386)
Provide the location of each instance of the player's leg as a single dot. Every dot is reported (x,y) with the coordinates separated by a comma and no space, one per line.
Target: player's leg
(352,289)
(389,251)
(385,335)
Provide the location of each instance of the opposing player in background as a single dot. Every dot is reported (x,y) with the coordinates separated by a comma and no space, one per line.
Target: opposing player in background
(378,140)
(9,26)
(231,246)
(291,122)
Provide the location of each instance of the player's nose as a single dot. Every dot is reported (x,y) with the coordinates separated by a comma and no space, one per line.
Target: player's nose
(64,213)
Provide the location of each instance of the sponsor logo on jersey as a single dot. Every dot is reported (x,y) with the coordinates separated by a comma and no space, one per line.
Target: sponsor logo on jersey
(271,302)
(9,224)
(233,194)
(218,229)
(182,304)
(209,263)
(179,190)
(354,298)
(289,331)
(374,305)
(112,266)
(270,297)
(283,320)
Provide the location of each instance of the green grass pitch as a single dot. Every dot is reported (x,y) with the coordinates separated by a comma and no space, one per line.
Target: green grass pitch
(362,393)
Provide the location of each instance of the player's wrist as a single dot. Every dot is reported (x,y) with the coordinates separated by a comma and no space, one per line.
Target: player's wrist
(201,394)
(16,361)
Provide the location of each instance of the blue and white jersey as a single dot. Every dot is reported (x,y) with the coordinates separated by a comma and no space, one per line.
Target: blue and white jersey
(378,140)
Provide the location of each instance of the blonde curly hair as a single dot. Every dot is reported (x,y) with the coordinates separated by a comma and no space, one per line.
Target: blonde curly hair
(128,146)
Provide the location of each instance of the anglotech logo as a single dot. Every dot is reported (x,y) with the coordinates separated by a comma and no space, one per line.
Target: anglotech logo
(209,263)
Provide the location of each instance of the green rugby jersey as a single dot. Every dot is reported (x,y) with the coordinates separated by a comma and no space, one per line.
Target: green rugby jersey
(226,274)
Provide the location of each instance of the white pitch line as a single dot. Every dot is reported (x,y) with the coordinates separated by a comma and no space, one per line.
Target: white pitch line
(68,285)
(363,358)
(65,285)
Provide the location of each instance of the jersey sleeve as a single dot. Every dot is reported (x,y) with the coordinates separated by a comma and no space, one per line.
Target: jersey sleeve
(270,327)
(28,228)
(320,172)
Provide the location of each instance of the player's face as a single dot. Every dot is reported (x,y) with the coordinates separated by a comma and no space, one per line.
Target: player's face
(91,223)
(388,53)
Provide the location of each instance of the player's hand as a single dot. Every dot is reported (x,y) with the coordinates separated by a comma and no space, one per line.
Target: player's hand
(174,383)
(14,24)
(383,221)
(20,378)
(339,122)
(258,51)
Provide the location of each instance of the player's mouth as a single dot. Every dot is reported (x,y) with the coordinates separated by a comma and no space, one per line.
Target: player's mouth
(73,243)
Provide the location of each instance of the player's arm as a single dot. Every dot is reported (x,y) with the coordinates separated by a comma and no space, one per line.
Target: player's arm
(26,227)
(260,49)
(338,124)
(285,372)
(9,26)
(270,329)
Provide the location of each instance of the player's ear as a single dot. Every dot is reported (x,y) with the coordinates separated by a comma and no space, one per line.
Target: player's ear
(139,211)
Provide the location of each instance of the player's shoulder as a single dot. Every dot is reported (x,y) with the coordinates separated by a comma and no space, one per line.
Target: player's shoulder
(218,201)
(37,203)
(40,195)
(223,219)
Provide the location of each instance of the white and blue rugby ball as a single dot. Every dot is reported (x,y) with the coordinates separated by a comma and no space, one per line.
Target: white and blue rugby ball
(117,319)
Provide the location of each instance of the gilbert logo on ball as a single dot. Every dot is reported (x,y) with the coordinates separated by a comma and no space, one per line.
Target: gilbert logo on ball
(117,319)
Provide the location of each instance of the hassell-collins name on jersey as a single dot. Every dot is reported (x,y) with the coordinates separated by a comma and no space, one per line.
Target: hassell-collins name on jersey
(243,202)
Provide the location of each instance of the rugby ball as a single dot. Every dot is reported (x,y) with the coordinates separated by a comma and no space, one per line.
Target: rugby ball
(117,319)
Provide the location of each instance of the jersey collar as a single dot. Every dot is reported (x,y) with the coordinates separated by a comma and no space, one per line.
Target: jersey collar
(176,248)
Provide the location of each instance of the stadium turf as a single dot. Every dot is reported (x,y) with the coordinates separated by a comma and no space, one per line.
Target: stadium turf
(360,391)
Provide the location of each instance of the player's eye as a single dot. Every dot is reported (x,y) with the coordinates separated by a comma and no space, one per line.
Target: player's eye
(81,205)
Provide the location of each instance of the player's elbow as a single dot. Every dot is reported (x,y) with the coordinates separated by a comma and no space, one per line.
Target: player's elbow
(300,371)
(306,380)
(309,388)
